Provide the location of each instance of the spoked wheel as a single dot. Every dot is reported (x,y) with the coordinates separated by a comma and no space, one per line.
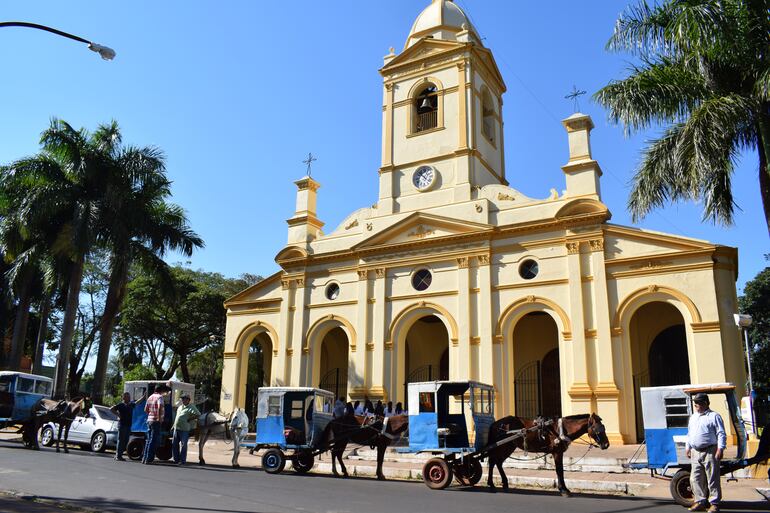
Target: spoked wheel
(469,472)
(135,449)
(437,473)
(680,487)
(273,461)
(303,462)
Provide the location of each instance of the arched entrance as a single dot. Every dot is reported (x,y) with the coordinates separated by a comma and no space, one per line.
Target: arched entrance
(659,355)
(258,364)
(333,374)
(426,351)
(537,376)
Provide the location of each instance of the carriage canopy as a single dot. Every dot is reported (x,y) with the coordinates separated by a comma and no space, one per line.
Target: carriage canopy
(292,416)
(19,391)
(449,416)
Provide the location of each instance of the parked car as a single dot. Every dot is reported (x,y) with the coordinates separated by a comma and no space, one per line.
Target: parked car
(97,430)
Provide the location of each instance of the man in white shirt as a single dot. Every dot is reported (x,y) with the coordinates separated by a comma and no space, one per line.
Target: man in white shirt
(706,442)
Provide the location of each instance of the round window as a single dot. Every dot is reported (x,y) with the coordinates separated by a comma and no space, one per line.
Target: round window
(421,279)
(528,269)
(332,291)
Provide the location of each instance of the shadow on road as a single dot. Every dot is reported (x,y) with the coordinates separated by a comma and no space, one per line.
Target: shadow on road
(120,505)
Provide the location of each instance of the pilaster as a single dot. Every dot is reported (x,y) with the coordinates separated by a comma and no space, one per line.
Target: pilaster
(358,373)
(485,332)
(294,351)
(378,333)
(460,359)
(281,363)
(579,390)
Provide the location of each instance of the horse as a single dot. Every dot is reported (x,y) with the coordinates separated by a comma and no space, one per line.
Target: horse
(376,432)
(60,412)
(552,438)
(235,427)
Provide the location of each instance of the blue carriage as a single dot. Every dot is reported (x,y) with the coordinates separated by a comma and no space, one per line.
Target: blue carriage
(666,412)
(140,391)
(451,419)
(291,419)
(19,392)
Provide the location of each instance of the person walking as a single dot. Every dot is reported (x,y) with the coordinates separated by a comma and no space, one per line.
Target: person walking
(706,442)
(125,412)
(339,408)
(155,410)
(186,417)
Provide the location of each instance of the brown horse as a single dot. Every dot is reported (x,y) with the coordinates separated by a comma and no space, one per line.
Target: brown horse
(551,438)
(376,432)
(60,412)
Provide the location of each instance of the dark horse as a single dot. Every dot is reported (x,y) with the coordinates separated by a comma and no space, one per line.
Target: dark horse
(60,412)
(376,432)
(553,438)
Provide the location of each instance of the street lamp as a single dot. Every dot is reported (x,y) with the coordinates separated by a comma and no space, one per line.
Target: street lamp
(743,321)
(105,52)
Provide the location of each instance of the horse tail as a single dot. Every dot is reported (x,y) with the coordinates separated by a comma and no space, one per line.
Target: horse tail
(328,433)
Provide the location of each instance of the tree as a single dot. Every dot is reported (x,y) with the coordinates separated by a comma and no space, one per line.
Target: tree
(704,74)
(755,301)
(70,183)
(140,228)
(172,329)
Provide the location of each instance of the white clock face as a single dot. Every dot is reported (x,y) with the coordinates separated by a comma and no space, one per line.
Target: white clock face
(423,177)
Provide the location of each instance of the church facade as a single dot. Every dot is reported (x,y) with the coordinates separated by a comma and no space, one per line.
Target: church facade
(453,274)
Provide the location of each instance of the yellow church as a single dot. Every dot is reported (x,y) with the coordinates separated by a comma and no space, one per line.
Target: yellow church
(453,274)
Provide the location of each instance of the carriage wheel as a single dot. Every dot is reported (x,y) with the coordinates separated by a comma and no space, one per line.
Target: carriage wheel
(164,452)
(303,462)
(135,449)
(437,474)
(273,461)
(468,473)
(680,488)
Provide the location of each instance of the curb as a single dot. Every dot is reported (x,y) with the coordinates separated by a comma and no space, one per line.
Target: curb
(529,482)
(63,506)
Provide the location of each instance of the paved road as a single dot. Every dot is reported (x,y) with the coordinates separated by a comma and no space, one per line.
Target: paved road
(97,482)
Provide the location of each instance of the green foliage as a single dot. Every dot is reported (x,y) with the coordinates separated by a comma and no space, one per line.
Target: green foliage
(755,301)
(703,73)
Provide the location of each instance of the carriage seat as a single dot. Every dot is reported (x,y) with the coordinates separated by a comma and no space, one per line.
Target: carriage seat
(293,436)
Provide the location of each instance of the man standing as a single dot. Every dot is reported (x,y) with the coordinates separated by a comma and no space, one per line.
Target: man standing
(125,413)
(155,409)
(706,442)
(186,417)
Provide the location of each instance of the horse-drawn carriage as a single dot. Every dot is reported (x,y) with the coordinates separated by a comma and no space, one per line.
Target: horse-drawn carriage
(19,392)
(140,391)
(666,411)
(291,419)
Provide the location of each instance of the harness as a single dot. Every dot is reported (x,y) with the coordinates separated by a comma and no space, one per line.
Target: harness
(563,435)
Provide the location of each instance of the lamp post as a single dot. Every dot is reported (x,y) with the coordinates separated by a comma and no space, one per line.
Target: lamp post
(105,52)
(743,321)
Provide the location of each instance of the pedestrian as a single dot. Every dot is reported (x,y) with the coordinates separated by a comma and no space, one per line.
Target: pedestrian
(339,408)
(125,412)
(368,406)
(389,411)
(706,442)
(186,417)
(400,409)
(155,410)
(349,409)
(379,409)
(358,409)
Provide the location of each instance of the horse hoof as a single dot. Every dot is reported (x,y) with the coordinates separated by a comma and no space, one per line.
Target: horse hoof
(491,489)
(381,478)
(566,493)
(236,466)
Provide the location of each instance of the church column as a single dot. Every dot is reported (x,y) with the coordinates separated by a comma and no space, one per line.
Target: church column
(462,97)
(385,204)
(379,337)
(606,391)
(486,372)
(358,374)
(282,363)
(579,390)
(295,351)
(460,354)
(462,190)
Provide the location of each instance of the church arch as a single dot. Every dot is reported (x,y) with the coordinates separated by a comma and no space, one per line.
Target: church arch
(330,340)
(257,341)
(488,115)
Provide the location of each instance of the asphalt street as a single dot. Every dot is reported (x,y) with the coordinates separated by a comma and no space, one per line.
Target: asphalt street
(96,481)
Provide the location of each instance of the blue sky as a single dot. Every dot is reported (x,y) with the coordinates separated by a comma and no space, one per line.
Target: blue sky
(238,92)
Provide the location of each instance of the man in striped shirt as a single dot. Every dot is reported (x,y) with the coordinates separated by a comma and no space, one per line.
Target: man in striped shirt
(154,408)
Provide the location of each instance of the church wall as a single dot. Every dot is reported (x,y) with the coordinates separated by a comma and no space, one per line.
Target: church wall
(491,151)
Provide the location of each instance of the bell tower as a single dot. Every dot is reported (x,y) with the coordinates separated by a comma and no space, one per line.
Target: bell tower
(442,131)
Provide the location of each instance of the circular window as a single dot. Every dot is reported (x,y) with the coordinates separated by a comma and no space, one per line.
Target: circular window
(528,269)
(332,291)
(421,279)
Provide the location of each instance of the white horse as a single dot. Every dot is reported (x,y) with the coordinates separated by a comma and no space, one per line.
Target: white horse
(235,427)
(239,428)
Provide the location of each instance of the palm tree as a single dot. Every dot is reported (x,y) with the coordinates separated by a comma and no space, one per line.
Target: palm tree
(704,74)
(70,181)
(139,229)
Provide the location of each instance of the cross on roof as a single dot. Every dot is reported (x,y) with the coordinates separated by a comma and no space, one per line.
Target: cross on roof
(574,95)
(309,161)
